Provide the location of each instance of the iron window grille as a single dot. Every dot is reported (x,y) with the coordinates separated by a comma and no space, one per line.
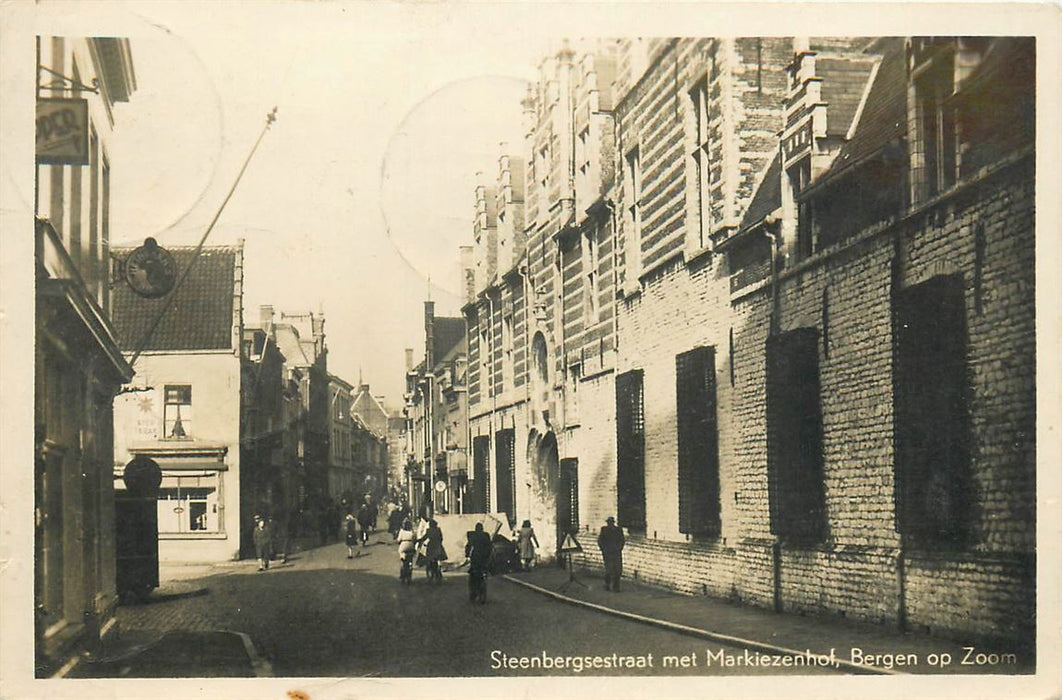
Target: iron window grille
(630,451)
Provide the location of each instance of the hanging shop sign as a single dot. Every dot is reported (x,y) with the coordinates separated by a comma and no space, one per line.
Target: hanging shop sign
(62,131)
(150,270)
(142,476)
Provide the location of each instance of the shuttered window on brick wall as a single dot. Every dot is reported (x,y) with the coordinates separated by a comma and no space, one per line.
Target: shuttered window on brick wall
(505,471)
(698,443)
(630,451)
(932,430)
(481,474)
(794,437)
(568,498)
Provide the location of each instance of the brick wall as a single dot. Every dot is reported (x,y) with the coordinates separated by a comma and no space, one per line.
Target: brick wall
(861,570)
(983,231)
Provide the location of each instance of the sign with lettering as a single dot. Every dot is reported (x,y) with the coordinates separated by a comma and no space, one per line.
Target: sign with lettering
(62,131)
(147,421)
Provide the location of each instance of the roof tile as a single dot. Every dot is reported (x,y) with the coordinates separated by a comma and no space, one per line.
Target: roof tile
(200,315)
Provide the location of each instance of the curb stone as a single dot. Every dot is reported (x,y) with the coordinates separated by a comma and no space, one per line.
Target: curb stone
(750,644)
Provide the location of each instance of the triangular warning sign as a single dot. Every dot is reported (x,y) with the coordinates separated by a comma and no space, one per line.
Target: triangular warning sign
(570,544)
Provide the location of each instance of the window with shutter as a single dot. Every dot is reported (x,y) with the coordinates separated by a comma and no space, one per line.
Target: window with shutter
(698,443)
(932,428)
(505,471)
(481,473)
(794,437)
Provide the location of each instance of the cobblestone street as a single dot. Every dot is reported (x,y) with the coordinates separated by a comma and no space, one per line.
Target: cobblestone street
(324,615)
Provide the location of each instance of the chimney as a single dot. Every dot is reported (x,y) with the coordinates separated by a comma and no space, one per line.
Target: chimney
(409,359)
(429,335)
(265,318)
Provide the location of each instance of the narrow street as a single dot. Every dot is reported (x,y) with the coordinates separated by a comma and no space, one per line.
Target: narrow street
(324,615)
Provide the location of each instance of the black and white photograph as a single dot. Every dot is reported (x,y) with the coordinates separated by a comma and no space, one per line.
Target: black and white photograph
(529,350)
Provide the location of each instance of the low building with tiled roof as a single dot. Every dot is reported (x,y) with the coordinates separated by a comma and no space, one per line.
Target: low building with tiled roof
(185,408)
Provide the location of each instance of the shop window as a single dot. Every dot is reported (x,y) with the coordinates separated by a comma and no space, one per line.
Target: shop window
(189,503)
(177,412)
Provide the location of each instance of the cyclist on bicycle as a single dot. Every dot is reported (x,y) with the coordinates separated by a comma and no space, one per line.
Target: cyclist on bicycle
(434,552)
(406,550)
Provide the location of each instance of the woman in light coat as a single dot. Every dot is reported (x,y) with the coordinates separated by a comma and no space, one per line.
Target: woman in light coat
(526,542)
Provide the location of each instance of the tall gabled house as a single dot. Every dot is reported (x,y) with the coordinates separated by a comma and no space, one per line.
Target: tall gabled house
(78,364)
(184,407)
(436,417)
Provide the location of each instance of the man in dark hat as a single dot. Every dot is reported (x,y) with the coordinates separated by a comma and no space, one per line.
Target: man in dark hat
(611,541)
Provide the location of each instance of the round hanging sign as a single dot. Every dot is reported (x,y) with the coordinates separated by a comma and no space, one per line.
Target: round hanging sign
(142,476)
(150,270)
(440,486)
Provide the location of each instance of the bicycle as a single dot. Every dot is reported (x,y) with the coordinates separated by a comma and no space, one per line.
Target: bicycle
(405,573)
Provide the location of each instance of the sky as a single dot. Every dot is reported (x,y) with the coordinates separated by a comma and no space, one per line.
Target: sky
(363,189)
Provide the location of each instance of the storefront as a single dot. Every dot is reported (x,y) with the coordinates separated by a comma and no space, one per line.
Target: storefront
(192,500)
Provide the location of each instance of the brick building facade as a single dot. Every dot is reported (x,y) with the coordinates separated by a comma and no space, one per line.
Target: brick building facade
(778,318)
(78,364)
(871,451)
(436,415)
(540,306)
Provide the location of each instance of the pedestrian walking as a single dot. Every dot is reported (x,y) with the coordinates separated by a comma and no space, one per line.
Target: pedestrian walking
(478,551)
(611,540)
(433,550)
(394,521)
(365,522)
(527,543)
(263,542)
(374,512)
(350,533)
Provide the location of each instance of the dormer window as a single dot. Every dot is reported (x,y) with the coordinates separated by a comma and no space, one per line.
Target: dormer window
(938,67)
(933,159)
